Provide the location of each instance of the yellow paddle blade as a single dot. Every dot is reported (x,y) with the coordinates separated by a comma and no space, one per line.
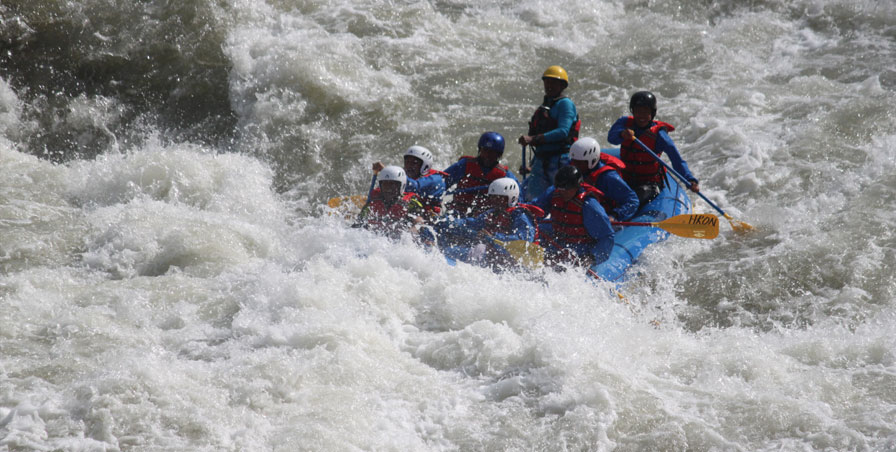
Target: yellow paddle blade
(527,253)
(739,226)
(347,206)
(346,201)
(693,225)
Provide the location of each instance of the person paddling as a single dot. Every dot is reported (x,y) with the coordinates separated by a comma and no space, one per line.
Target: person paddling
(602,172)
(552,129)
(427,183)
(472,175)
(642,172)
(390,211)
(579,232)
(472,239)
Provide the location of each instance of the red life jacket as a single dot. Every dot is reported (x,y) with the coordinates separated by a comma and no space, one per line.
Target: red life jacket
(389,219)
(470,202)
(611,161)
(610,164)
(567,217)
(542,122)
(502,223)
(432,205)
(640,167)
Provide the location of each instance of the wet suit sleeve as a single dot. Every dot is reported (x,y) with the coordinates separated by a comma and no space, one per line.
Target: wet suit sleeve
(664,144)
(626,200)
(413,186)
(598,226)
(544,201)
(614,136)
(522,228)
(564,111)
(429,187)
(455,172)
(467,227)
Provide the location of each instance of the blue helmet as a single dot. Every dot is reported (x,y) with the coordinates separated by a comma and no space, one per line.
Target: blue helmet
(493,141)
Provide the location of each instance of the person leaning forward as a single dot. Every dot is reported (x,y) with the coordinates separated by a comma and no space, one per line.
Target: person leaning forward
(579,232)
(601,171)
(472,239)
(391,211)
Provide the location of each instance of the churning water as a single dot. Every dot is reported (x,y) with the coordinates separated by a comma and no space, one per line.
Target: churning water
(169,281)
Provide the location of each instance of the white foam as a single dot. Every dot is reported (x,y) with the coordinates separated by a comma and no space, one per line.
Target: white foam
(165,296)
(11,124)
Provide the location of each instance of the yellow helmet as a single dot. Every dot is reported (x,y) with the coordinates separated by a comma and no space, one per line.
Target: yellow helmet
(556,72)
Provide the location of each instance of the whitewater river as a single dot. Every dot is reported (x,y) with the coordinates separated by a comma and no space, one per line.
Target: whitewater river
(169,280)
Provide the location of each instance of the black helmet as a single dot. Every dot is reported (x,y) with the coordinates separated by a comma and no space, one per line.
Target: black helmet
(568,177)
(643,99)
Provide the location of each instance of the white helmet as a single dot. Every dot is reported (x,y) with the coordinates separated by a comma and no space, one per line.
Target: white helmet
(585,149)
(392,172)
(421,153)
(505,186)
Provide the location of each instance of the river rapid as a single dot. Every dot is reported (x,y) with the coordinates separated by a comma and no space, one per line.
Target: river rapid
(169,279)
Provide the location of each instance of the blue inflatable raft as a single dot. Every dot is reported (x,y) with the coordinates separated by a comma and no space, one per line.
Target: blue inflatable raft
(632,240)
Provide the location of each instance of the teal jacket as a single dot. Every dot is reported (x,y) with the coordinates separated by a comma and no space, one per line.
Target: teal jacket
(558,139)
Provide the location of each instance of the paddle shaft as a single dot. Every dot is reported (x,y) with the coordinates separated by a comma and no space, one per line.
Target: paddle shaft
(680,177)
(633,223)
(370,190)
(523,166)
(372,185)
(692,225)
